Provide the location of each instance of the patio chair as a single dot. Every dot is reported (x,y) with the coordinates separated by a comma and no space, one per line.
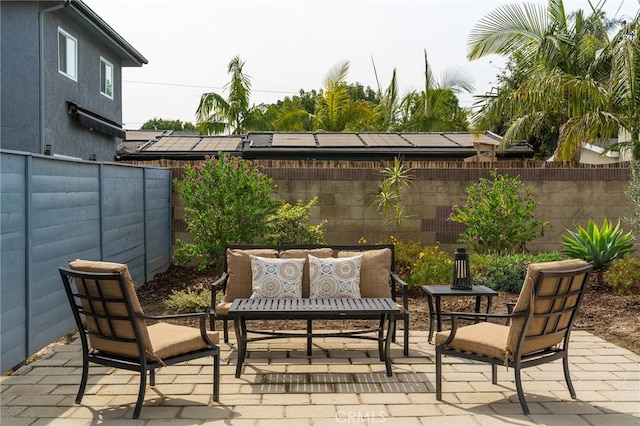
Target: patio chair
(114,332)
(537,331)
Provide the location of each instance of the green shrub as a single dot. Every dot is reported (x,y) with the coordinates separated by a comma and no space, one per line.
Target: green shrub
(598,246)
(431,267)
(505,273)
(624,275)
(498,215)
(405,256)
(290,225)
(228,201)
(192,299)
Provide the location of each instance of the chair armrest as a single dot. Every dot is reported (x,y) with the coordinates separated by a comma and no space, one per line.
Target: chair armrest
(202,323)
(454,320)
(395,279)
(510,306)
(219,285)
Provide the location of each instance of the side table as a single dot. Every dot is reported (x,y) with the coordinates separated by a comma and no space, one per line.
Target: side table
(437,291)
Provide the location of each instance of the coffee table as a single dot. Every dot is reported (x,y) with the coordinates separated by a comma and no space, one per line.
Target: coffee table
(438,291)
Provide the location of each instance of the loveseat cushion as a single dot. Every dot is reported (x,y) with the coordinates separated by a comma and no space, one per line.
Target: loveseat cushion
(375,271)
(335,277)
(239,271)
(323,253)
(276,278)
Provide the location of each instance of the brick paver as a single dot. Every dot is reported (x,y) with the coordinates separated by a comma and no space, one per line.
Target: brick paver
(343,383)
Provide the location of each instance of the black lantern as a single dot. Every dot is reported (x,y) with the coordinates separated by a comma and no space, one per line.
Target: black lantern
(461,270)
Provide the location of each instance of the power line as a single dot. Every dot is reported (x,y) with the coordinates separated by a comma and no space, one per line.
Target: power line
(154,83)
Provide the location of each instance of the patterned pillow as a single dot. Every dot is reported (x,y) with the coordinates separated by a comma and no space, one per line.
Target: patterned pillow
(276,278)
(335,278)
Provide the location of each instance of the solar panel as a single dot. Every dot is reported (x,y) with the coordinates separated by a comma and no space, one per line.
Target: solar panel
(467,139)
(384,140)
(428,140)
(215,144)
(293,140)
(174,143)
(339,140)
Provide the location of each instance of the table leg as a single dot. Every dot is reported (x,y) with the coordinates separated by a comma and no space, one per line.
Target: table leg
(431,316)
(489,301)
(381,340)
(439,313)
(240,327)
(309,336)
(387,344)
(478,303)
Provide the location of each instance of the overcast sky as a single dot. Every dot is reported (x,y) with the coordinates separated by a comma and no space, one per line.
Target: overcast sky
(291,45)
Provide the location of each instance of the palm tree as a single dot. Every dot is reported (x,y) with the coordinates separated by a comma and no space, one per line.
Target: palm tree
(335,110)
(436,108)
(217,115)
(568,86)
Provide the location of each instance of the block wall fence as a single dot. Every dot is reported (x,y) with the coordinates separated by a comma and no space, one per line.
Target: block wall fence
(567,195)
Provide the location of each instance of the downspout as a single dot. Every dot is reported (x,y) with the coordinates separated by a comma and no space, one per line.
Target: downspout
(41,65)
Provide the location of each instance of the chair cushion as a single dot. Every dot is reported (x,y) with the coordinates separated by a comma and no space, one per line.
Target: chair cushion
(526,302)
(375,272)
(110,288)
(239,270)
(483,338)
(276,278)
(335,278)
(170,340)
(323,253)
(222,308)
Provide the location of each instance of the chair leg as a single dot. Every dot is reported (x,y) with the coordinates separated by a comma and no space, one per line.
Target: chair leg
(152,377)
(216,376)
(143,388)
(494,374)
(567,377)
(438,375)
(83,380)
(225,328)
(406,335)
(523,402)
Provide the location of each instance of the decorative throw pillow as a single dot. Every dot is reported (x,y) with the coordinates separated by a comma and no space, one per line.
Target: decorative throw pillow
(335,278)
(276,278)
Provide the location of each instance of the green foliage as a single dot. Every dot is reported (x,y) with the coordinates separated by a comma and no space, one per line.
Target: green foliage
(290,225)
(388,201)
(406,254)
(600,246)
(498,214)
(192,299)
(228,202)
(624,275)
(431,267)
(162,124)
(633,192)
(505,273)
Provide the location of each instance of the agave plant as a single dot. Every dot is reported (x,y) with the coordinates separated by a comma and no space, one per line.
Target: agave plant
(600,246)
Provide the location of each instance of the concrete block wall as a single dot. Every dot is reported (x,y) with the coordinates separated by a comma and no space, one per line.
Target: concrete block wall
(566,196)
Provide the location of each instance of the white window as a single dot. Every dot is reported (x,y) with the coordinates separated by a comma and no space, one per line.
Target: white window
(67,54)
(106,78)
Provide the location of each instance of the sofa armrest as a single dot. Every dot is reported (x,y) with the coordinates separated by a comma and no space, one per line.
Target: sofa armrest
(396,280)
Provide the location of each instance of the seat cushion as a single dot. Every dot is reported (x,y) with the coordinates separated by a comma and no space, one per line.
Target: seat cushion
(223,308)
(169,340)
(483,338)
(239,270)
(322,252)
(375,271)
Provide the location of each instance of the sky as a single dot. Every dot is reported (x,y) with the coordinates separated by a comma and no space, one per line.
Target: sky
(290,45)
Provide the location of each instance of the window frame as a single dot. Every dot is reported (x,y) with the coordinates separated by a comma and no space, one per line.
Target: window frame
(103,89)
(68,37)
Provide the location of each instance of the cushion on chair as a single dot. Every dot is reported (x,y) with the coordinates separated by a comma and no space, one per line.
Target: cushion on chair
(122,328)
(323,252)
(526,302)
(484,338)
(169,340)
(376,271)
(222,308)
(276,278)
(239,270)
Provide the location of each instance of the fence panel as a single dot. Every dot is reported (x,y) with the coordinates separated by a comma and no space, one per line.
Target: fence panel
(56,210)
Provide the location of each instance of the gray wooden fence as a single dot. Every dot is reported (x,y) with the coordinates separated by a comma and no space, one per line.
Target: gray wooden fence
(55,210)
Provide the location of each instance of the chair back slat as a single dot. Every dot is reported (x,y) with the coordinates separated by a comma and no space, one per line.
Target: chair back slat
(551,296)
(108,310)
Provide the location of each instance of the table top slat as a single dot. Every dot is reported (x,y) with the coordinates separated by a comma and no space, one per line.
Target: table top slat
(302,306)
